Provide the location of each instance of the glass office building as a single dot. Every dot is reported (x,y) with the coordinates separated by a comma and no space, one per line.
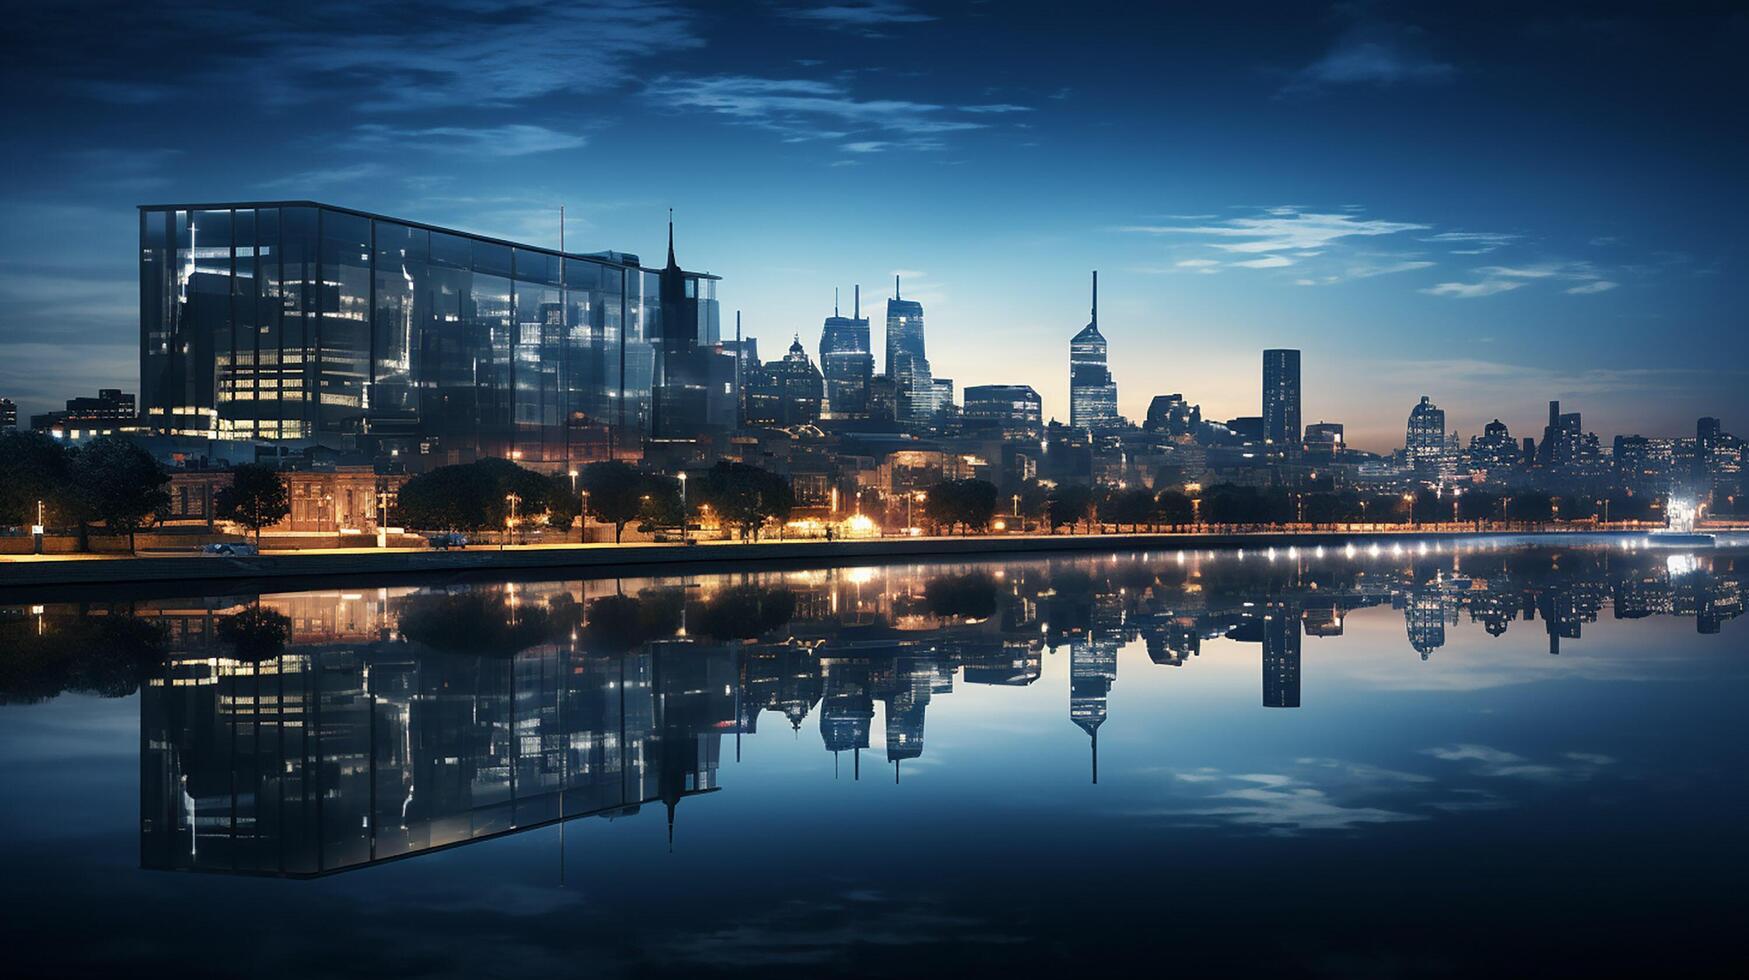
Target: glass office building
(327,326)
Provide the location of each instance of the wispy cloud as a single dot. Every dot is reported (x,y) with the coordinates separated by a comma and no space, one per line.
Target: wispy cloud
(1282,229)
(515,139)
(1496,279)
(325,176)
(804,110)
(1372,54)
(860,16)
(1484,760)
(1473,242)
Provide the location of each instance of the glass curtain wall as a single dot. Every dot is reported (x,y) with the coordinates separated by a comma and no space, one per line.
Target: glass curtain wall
(368,334)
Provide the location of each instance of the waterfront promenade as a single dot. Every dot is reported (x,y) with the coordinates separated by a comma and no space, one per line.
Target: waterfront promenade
(598,560)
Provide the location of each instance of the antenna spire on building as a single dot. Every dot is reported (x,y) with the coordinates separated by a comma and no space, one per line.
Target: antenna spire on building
(671,261)
(1095,298)
(856,310)
(895,285)
(834,300)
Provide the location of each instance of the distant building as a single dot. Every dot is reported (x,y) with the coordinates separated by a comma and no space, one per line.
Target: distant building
(1281,399)
(1494,450)
(847,362)
(1425,443)
(786,392)
(1563,437)
(1015,410)
(8,415)
(915,398)
(1092,392)
(1324,439)
(112,410)
(1248,428)
(1171,415)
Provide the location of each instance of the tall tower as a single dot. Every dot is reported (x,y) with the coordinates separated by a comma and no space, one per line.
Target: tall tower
(1424,443)
(1092,393)
(846,361)
(1281,399)
(907,365)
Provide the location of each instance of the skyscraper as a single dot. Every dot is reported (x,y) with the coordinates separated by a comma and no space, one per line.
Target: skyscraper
(1425,443)
(846,361)
(8,415)
(1281,399)
(907,365)
(1092,393)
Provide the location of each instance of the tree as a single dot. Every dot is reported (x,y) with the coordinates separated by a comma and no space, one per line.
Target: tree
(1478,506)
(256,634)
(971,596)
(1134,507)
(1069,504)
(661,502)
(256,498)
(563,504)
(615,492)
(745,496)
(963,504)
(120,484)
(1174,508)
(472,496)
(1533,508)
(1035,499)
(743,612)
(33,468)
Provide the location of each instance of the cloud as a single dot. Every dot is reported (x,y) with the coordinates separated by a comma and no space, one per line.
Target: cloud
(1473,290)
(1475,242)
(1198,264)
(514,139)
(325,176)
(1495,763)
(859,15)
(804,110)
(1282,229)
(1505,278)
(1267,262)
(1372,54)
(369,55)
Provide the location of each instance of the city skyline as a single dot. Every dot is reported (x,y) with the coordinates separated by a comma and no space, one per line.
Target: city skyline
(1527,232)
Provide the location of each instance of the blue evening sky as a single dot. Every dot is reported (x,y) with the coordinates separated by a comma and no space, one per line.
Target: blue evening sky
(1492,204)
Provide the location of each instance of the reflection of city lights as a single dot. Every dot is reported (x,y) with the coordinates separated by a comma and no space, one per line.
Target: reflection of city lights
(1683,564)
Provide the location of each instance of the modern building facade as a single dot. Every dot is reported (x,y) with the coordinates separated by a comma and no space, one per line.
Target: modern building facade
(907,364)
(8,415)
(1092,392)
(1281,399)
(847,361)
(299,321)
(112,410)
(1424,444)
(1016,411)
(787,392)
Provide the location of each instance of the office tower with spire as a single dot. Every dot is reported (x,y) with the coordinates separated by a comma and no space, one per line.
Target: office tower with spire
(1092,671)
(847,361)
(1281,400)
(1092,392)
(907,365)
(688,365)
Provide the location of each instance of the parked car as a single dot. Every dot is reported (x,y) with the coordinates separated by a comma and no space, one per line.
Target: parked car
(230,549)
(444,542)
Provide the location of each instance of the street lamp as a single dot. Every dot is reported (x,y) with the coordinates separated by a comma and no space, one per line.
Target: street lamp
(509,522)
(683,507)
(573,475)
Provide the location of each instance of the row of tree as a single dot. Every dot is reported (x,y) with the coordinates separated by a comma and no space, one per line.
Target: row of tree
(962,505)
(114,483)
(486,494)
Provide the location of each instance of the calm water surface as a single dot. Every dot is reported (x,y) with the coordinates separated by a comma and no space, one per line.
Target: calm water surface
(1330,763)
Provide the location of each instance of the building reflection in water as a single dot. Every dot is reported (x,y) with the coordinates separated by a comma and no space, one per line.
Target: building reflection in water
(307,733)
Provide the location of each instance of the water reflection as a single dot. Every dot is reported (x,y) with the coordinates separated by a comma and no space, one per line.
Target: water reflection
(307,733)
